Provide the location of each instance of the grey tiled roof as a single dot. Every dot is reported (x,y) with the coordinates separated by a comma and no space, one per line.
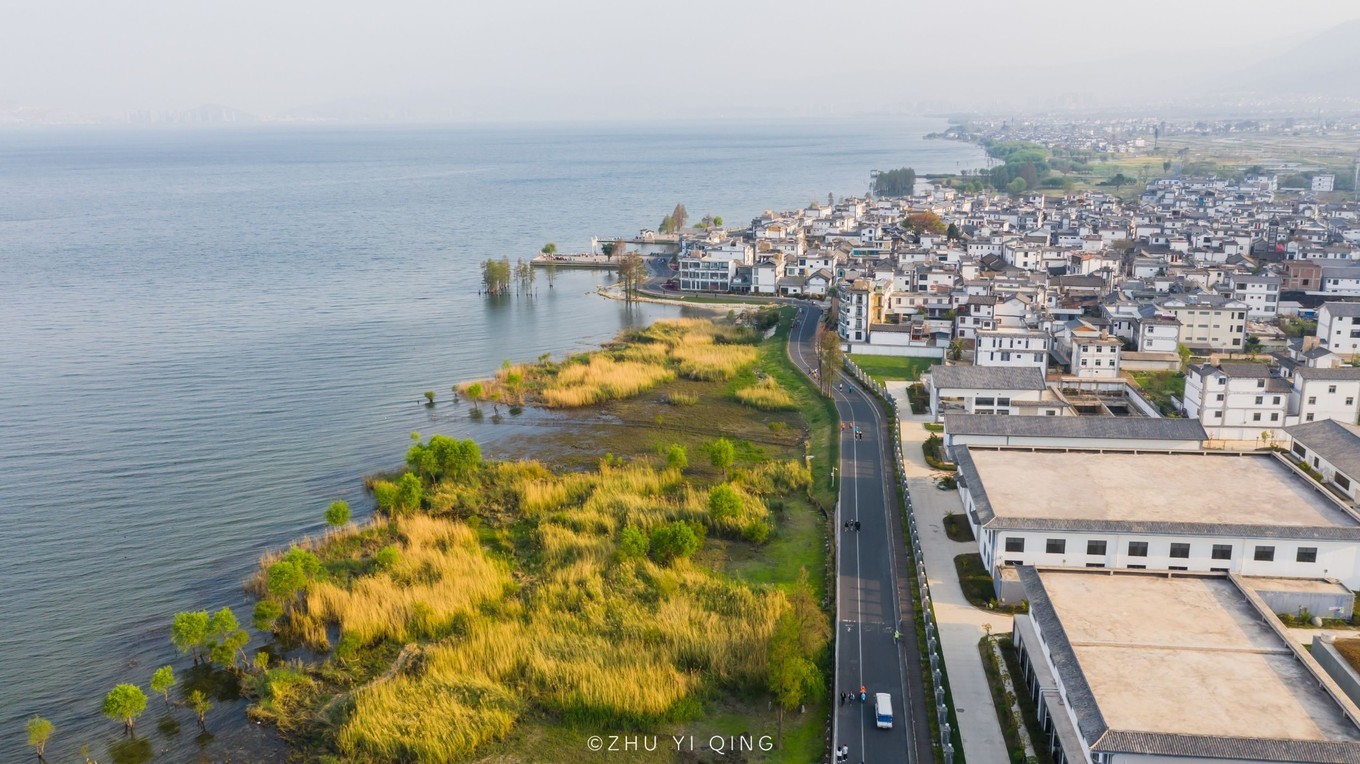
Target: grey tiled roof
(1330,440)
(988,377)
(1097,733)
(1127,428)
(1340,372)
(1343,308)
(1245,370)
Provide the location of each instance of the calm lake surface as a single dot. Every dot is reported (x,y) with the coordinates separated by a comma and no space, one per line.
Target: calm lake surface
(208,335)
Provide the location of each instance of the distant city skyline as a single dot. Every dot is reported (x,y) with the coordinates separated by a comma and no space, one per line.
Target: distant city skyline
(526,60)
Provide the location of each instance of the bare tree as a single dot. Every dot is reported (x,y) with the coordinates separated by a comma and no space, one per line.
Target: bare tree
(828,357)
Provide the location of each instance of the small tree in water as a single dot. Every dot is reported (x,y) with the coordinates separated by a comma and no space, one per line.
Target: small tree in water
(337,514)
(162,681)
(39,732)
(200,705)
(125,703)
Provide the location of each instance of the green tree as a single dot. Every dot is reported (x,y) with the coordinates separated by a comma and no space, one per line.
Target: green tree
(717,220)
(337,514)
(723,503)
(667,225)
(1119,181)
(228,638)
(676,458)
(1017,186)
(410,492)
(1184,353)
(829,358)
(39,732)
(200,705)
(477,392)
(125,703)
(189,633)
(387,557)
(162,681)
(1252,345)
(721,454)
(549,249)
(633,543)
(899,182)
(673,541)
(952,232)
(267,612)
(800,635)
(496,276)
(955,351)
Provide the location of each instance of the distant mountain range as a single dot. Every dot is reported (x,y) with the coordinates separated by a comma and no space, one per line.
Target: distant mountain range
(1326,66)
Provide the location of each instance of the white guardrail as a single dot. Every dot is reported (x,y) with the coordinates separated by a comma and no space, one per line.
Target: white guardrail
(927,608)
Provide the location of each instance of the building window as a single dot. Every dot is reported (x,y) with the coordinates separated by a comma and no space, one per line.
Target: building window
(1306,554)
(1095,564)
(1222,552)
(1015,544)
(1014,563)
(1264,554)
(1256,417)
(1260,399)
(1331,389)
(1312,399)
(1218,570)
(1138,548)
(1177,567)
(1342,481)
(1095,547)
(1260,383)
(1180,550)
(1056,546)
(1218,397)
(1137,567)
(1309,418)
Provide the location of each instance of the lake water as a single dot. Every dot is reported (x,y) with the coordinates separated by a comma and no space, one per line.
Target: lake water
(207,336)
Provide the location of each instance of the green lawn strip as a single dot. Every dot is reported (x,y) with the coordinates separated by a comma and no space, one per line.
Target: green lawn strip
(1001,699)
(884,368)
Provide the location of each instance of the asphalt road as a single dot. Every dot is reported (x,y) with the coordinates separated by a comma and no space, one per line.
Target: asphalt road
(870,605)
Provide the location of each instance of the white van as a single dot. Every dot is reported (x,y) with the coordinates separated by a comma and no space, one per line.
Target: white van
(883,710)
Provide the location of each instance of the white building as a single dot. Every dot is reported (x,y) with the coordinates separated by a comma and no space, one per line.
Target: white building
(1322,183)
(1157,334)
(1236,401)
(1209,321)
(1332,449)
(988,390)
(1247,513)
(1325,393)
(1012,347)
(1083,432)
(1130,668)
(1094,353)
(1260,293)
(1339,328)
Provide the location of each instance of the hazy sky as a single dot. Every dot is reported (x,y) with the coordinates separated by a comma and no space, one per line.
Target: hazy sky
(550,59)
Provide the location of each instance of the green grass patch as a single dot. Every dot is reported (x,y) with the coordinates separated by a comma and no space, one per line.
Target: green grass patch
(957,529)
(1002,700)
(1160,387)
(975,581)
(933,427)
(884,368)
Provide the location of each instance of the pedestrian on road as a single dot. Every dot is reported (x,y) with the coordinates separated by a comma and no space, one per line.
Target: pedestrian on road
(842,698)
(897,634)
(856,525)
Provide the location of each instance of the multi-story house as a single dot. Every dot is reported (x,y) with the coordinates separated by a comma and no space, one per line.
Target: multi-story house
(1339,328)
(1237,401)
(1012,347)
(1260,293)
(1209,321)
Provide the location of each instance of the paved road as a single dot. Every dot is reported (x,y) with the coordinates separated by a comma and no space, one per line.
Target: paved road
(870,605)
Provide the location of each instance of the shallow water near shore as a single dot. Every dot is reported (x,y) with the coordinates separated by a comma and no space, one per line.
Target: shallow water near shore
(207,336)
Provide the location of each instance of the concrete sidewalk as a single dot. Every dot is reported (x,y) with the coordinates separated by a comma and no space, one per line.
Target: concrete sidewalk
(960,624)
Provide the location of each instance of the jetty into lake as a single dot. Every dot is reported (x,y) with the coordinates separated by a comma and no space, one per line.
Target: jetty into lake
(645,243)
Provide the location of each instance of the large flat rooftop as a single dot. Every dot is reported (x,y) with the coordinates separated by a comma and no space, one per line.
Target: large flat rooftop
(1182,655)
(1254,490)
